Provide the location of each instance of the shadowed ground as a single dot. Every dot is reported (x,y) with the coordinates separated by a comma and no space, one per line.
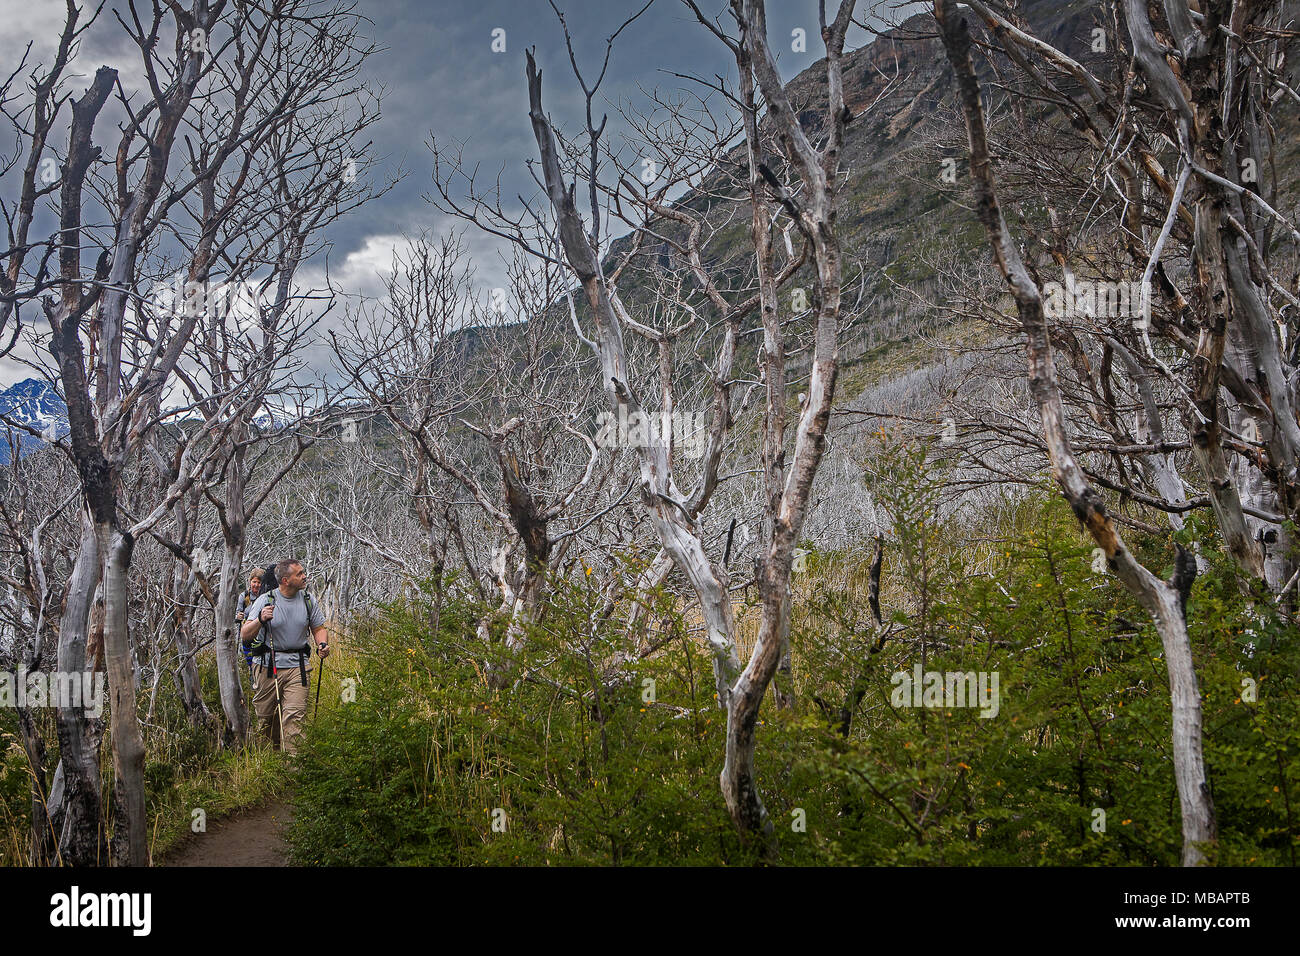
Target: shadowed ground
(252,838)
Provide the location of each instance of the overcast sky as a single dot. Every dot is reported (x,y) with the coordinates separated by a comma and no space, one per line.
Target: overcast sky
(442,77)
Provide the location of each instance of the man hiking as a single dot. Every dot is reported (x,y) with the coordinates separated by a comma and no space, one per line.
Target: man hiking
(282,625)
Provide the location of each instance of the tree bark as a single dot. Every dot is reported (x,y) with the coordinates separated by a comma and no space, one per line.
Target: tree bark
(814,212)
(231,686)
(130,830)
(78,805)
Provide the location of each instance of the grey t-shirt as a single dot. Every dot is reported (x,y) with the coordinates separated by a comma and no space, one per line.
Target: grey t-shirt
(289,629)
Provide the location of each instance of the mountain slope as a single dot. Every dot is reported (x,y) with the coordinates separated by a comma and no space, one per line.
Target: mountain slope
(35,405)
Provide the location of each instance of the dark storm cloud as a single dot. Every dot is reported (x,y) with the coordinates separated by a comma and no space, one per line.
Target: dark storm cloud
(441,78)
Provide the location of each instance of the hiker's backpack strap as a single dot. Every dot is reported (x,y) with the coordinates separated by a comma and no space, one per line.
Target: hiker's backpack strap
(262,646)
(270,649)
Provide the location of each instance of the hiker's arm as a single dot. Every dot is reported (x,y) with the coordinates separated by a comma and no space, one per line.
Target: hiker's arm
(321,635)
(248,630)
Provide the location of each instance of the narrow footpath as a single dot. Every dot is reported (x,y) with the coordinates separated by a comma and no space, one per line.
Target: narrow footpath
(252,838)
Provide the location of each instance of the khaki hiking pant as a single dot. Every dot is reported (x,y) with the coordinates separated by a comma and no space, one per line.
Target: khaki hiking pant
(280,701)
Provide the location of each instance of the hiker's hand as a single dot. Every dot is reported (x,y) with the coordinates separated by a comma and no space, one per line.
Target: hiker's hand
(322,650)
(265,614)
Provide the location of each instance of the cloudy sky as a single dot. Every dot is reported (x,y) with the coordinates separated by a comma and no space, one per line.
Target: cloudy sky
(442,77)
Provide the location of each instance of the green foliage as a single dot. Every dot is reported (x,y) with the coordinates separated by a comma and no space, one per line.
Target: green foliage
(184,770)
(588,755)
(594,753)
(15,792)
(1075,768)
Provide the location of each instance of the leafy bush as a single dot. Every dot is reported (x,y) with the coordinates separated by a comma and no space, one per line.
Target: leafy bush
(605,743)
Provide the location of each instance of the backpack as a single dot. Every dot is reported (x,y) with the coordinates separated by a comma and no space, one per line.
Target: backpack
(270,584)
(269,581)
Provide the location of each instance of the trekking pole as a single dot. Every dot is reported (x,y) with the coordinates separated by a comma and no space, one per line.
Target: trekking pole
(319,676)
(252,700)
(275,672)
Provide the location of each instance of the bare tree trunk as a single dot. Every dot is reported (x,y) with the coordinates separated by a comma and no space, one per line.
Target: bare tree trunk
(814,213)
(79,807)
(1203,421)
(43,846)
(1164,601)
(227,635)
(130,831)
(43,849)
(181,634)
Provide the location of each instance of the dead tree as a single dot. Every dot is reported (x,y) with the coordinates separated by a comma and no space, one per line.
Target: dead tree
(499,423)
(675,514)
(117,348)
(38,526)
(811,203)
(1182,178)
(1165,601)
(812,209)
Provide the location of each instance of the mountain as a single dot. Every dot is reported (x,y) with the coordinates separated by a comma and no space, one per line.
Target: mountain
(901,222)
(31,404)
(897,214)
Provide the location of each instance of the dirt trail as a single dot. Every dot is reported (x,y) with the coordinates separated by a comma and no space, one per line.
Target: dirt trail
(252,838)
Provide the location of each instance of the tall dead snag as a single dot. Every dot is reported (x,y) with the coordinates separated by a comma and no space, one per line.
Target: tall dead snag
(1218,262)
(82,837)
(812,207)
(1165,601)
(1190,152)
(810,202)
(674,515)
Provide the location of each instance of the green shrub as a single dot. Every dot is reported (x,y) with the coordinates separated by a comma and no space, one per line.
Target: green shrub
(596,751)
